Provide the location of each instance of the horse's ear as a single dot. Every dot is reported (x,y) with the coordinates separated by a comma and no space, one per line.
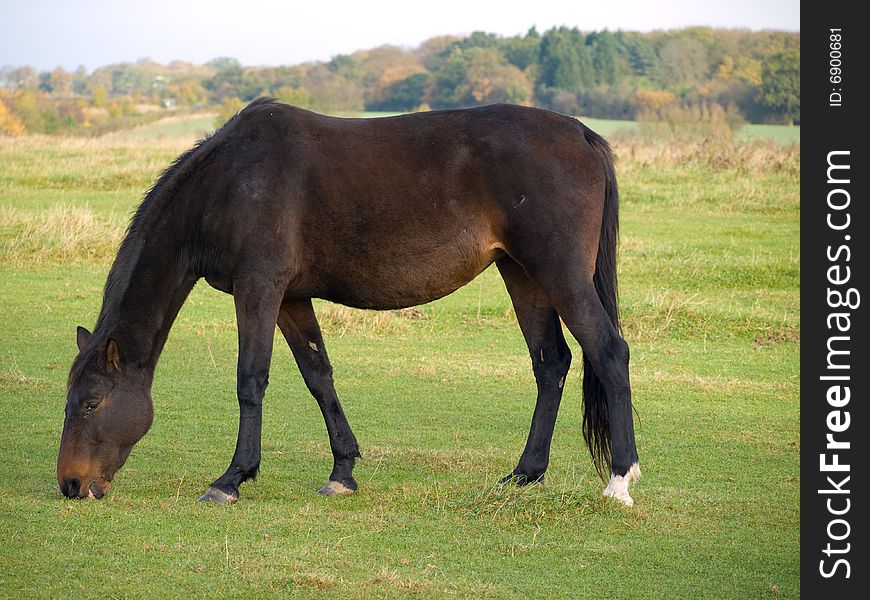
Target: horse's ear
(113,358)
(83,336)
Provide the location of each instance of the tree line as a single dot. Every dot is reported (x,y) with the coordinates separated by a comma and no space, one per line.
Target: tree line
(732,74)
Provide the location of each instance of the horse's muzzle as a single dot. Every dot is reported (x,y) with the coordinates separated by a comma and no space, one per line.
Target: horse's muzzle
(72,488)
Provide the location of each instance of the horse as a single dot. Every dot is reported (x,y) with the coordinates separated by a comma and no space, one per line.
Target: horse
(282,205)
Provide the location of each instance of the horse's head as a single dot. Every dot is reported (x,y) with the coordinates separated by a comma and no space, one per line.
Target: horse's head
(108,409)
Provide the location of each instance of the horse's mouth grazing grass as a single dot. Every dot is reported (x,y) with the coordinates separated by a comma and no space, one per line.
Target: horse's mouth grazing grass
(98,488)
(93,489)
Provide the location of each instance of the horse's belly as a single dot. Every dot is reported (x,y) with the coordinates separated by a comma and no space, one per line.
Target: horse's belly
(395,279)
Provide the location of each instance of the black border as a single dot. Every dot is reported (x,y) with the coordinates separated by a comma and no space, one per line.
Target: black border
(826,128)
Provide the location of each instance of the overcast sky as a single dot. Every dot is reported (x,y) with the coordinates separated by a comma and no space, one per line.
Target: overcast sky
(48,33)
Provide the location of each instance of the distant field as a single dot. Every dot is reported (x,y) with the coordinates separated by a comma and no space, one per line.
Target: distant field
(440,400)
(781,134)
(195,126)
(185,126)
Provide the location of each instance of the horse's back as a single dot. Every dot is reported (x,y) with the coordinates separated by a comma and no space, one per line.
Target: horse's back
(397,211)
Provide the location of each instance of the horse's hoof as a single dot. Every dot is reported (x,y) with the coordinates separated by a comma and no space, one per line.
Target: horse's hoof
(334,488)
(521,479)
(215,495)
(617,487)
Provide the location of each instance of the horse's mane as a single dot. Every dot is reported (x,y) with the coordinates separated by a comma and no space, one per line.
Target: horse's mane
(148,210)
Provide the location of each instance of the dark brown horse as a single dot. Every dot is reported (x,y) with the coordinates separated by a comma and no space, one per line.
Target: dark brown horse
(282,205)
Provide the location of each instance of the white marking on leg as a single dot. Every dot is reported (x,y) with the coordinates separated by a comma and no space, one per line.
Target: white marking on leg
(617,487)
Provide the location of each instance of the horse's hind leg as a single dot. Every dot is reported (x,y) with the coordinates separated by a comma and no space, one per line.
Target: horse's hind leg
(608,420)
(551,359)
(299,325)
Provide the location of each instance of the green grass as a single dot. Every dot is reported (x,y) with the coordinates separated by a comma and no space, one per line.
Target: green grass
(781,134)
(192,126)
(440,400)
(610,127)
(195,126)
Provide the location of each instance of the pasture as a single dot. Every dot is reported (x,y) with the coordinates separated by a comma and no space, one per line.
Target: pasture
(781,134)
(440,398)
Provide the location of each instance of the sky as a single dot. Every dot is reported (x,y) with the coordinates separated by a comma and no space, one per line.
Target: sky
(49,33)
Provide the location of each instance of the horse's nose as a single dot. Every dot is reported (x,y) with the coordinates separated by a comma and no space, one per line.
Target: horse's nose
(70,488)
(95,490)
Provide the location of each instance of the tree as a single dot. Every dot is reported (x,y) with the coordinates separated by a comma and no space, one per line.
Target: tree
(478,76)
(682,63)
(345,65)
(331,92)
(408,93)
(384,65)
(22,78)
(35,111)
(61,82)
(224,63)
(99,96)
(252,84)
(651,103)
(522,52)
(595,74)
(226,80)
(605,58)
(228,109)
(297,96)
(565,61)
(431,52)
(80,81)
(9,123)
(45,82)
(477,39)
(403,95)
(781,83)
(186,93)
(640,52)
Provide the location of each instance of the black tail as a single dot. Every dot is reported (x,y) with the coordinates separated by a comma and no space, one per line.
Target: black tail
(596,424)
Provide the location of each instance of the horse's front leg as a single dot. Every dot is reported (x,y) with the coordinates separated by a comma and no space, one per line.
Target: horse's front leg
(256,311)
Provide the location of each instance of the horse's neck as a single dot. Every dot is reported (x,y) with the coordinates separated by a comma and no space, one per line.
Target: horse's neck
(157,283)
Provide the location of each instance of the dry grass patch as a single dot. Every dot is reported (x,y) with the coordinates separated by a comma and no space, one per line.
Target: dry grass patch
(12,376)
(59,235)
(341,321)
(314,581)
(565,502)
(465,460)
(69,163)
(743,156)
(791,335)
(709,387)
(391,579)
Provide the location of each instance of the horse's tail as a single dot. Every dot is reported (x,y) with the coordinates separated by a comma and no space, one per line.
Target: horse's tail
(596,424)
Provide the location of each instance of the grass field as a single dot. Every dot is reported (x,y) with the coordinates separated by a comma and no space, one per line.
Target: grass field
(781,134)
(195,126)
(440,400)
